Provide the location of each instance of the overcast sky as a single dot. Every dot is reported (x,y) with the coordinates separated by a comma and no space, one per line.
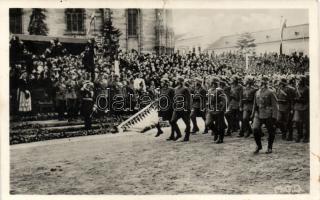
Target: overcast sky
(216,23)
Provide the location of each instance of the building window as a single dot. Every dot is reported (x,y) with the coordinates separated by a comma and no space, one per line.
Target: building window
(15,20)
(132,22)
(268,36)
(296,33)
(75,20)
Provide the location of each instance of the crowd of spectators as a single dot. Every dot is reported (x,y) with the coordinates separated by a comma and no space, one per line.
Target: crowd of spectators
(61,74)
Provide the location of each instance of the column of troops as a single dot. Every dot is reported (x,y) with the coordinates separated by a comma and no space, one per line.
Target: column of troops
(229,105)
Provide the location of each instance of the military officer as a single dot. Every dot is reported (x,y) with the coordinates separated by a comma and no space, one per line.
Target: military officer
(166,95)
(234,109)
(301,106)
(285,96)
(181,109)
(198,105)
(264,102)
(217,105)
(246,105)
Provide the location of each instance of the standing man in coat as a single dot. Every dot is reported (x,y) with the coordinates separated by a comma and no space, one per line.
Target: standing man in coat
(301,106)
(264,102)
(285,97)
(181,109)
(198,105)
(165,106)
(217,104)
(234,106)
(247,105)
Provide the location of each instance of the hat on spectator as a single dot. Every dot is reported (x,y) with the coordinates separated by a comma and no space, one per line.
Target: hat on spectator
(264,79)
(197,79)
(283,81)
(165,79)
(235,79)
(180,78)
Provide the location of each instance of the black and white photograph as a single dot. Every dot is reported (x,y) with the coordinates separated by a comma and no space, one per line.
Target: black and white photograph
(160,100)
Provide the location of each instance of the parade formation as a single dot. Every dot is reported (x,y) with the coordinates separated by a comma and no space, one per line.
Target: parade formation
(272,93)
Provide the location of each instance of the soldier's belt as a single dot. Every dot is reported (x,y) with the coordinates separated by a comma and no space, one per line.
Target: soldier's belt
(283,101)
(87,99)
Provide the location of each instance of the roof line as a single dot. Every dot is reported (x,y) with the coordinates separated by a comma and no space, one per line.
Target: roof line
(262,30)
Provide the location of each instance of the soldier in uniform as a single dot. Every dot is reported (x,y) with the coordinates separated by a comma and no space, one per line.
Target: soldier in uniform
(285,96)
(165,106)
(264,102)
(301,106)
(292,85)
(87,103)
(198,103)
(181,109)
(217,104)
(234,109)
(247,105)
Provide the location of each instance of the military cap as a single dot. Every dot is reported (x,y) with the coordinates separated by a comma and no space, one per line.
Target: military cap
(214,80)
(235,79)
(249,79)
(164,79)
(283,81)
(264,79)
(180,78)
(197,79)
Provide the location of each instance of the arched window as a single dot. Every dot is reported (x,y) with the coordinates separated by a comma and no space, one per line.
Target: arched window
(15,20)
(132,22)
(75,20)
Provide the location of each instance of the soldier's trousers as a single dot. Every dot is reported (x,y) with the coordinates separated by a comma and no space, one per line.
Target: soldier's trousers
(284,120)
(215,121)
(233,118)
(185,116)
(196,112)
(257,123)
(245,125)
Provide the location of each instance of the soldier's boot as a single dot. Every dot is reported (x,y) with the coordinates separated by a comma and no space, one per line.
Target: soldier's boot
(206,130)
(241,134)
(221,136)
(216,137)
(195,130)
(284,136)
(258,148)
(289,136)
(159,130)
(305,138)
(228,133)
(300,132)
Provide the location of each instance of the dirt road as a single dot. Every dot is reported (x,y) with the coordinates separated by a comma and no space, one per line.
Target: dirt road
(136,163)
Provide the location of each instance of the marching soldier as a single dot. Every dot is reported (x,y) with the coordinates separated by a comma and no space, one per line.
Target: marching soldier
(285,96)
(247,105)
(291,84)
(217,105)
(181,109)
(165,106)
(301,106)
(87,103)
(264,102)
(198,103)
(234,109)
